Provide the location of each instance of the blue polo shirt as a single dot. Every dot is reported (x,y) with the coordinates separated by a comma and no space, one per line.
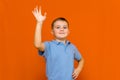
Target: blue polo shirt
(60,59)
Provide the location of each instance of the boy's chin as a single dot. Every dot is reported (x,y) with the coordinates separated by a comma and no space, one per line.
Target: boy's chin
(61,38)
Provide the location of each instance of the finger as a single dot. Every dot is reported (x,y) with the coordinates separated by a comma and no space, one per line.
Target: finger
(45,14)
(73,75)
(74,72)
(34,14)
(40,10)
(36,9)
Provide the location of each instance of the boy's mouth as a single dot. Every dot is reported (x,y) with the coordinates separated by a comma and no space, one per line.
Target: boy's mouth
(61,33)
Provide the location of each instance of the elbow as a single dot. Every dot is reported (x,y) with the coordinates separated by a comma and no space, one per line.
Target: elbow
(36,45)
(82,60)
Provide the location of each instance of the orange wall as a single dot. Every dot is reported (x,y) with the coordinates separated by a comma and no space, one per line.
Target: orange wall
(92,23)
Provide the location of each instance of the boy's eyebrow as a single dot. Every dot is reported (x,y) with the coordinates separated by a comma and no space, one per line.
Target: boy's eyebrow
(63,25)
(57,25)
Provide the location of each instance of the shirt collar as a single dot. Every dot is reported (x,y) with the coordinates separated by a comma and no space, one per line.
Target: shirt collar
(56,42)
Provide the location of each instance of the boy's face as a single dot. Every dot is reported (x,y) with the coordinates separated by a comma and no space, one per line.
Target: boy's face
(60,29)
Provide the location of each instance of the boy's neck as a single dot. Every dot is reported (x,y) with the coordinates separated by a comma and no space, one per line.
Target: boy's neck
(61,40)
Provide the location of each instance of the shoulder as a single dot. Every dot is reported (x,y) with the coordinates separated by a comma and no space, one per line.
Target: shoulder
(72,44)
(47,43)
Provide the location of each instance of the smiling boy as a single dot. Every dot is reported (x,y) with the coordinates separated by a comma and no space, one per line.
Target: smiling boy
(59,53)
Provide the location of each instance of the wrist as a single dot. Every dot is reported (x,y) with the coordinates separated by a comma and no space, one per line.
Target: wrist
(39,22)
(78,68)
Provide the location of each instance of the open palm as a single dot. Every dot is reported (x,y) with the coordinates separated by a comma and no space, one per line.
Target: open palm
(38,15)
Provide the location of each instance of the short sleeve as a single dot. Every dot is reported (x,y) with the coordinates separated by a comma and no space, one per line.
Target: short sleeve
(45,52)
(77,54)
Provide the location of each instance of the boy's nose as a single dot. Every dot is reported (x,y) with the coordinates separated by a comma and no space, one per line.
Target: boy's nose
(61,28)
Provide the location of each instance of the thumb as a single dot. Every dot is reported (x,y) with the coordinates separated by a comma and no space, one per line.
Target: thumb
(45,14)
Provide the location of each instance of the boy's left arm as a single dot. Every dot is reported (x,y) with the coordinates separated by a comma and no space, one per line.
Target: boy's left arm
(78,69)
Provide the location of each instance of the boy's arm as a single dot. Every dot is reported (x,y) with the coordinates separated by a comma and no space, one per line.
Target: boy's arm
(40,19)
(80,64)
(78,69)
(37,38)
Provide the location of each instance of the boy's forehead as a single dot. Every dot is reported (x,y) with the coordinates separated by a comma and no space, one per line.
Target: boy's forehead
(60,22)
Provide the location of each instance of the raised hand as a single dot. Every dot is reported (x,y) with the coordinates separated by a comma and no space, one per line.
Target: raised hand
(38,15)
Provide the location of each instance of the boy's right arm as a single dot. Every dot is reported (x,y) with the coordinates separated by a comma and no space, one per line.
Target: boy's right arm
(40,19)
(37,38)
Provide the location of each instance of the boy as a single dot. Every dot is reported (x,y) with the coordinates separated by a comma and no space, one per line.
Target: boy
(58,53)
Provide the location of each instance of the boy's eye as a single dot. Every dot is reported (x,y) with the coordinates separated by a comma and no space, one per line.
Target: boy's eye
(57,27)
(65,27)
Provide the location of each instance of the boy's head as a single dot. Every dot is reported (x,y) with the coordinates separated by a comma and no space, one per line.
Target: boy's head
(59,19)
(60,28)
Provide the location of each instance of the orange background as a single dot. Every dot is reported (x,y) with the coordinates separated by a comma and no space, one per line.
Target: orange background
(94,28)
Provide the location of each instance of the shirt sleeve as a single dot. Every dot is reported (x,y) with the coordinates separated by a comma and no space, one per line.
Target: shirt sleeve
(77,54)
(45,52)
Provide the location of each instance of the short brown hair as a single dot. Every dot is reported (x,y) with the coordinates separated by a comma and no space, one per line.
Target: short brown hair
(57,19)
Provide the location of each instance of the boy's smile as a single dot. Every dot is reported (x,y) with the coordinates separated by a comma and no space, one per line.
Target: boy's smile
(60,29)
